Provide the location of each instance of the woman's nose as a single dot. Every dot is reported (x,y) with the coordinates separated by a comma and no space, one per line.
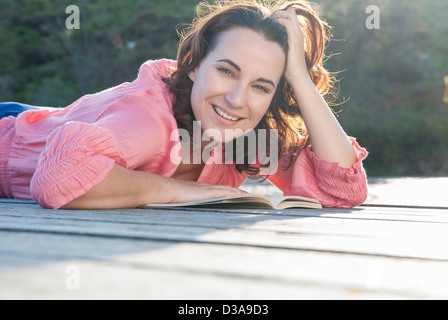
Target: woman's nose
(236,96)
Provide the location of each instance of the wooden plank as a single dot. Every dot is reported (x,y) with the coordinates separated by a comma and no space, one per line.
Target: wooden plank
(366,213)
(202,215)
(106,281)
(206,271)
(369,237)
(371,252)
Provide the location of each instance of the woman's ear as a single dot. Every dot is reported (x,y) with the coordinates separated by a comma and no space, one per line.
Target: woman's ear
(192,74)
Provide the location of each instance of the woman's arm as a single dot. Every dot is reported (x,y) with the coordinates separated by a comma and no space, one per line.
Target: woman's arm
(328,139)
(124,188)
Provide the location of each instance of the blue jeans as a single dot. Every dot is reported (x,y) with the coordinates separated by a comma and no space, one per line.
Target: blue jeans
(14,108)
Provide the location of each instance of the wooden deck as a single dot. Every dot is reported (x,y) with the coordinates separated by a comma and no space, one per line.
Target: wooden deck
(367,252)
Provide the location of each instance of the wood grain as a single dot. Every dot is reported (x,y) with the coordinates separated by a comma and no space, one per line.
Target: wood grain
(363,252)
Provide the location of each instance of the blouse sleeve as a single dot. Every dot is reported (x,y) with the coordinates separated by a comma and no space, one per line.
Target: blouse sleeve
(78,156)
(331,184)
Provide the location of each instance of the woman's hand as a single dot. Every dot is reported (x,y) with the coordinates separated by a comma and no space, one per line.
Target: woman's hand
(296,65)
(186,191)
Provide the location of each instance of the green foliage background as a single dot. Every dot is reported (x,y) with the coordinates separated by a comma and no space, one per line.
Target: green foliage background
(391,84)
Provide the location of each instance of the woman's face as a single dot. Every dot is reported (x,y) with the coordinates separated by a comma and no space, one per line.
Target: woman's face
(235,83)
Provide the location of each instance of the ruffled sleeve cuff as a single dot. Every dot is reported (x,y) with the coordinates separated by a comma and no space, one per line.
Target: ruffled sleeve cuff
(77,157)
(331,184)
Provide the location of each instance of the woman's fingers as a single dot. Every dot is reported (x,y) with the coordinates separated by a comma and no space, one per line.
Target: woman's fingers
(193,191)
(224,189)
(289,15)
(288,19)
(296,54)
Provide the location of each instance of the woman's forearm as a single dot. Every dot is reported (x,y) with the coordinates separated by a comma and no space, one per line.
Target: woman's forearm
(124,188)
(327,137)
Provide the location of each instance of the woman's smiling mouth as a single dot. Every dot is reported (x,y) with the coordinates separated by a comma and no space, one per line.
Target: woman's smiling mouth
(224,115)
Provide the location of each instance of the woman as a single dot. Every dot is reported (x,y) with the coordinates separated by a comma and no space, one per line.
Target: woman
(239,67)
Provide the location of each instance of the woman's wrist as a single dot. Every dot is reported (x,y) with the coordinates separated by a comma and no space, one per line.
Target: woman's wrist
(327,137)
(298,74)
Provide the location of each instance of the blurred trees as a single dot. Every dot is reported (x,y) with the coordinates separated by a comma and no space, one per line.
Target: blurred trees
(44,63)
(391,79)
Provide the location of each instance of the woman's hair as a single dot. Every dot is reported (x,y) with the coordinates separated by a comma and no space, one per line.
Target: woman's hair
(283,114)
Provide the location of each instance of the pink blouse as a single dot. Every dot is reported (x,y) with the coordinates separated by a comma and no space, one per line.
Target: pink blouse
(56,156)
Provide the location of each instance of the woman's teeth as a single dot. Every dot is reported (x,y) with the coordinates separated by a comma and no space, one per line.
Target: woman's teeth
(224,115)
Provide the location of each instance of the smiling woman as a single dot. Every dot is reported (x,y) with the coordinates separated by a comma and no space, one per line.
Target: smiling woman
(244,67)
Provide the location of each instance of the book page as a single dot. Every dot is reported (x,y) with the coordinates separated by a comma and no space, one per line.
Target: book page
(247,201)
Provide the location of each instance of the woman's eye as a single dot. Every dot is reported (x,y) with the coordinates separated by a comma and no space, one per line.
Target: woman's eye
(261,88)
(226,71)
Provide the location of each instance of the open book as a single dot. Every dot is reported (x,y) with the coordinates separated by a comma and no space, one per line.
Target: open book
(247,201)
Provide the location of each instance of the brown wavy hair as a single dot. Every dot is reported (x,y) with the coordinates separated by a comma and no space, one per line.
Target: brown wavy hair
(199,38)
